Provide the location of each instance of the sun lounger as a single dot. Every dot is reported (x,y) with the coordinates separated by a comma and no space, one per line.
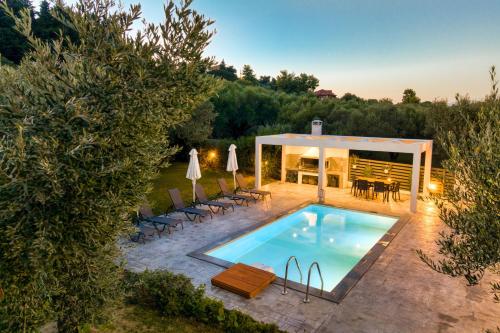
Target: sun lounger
(145,231)
(203,200)
(190,212)
(243,187)
(238,199)
(159,222)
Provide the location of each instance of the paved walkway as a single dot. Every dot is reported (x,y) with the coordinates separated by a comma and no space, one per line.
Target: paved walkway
(398,294)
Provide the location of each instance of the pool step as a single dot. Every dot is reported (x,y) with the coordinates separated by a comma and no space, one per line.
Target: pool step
(244,280)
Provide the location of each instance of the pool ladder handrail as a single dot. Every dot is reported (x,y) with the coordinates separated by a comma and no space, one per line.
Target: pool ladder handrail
(284,292)
(315,263)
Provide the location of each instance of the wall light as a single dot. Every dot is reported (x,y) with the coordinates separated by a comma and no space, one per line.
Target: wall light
(432,187)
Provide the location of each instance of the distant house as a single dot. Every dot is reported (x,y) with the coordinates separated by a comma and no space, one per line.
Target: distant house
(322,93)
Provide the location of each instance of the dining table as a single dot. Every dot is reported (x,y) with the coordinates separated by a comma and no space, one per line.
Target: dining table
(373,180)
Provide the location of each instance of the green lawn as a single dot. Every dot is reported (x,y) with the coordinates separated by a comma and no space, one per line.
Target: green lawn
(175,176)
(132,319)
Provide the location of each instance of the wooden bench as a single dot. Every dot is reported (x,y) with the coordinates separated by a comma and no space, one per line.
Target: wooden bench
(244,280)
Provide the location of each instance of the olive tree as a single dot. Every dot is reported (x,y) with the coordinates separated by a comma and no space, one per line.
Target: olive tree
(471,244)
(82,133)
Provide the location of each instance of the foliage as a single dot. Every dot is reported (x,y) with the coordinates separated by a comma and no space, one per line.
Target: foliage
(197,129)
(13,45)
(290,83)
(241,109)
(82,135)
(368,171)
(267,82)
(245,153)
(47,27)
(248,75)
(174,295)
(410,97)
(225,72)
(472,210)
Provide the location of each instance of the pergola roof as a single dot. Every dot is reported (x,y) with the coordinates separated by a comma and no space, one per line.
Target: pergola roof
(395,145)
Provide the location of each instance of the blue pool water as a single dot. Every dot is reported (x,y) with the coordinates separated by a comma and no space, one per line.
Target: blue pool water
(336,238)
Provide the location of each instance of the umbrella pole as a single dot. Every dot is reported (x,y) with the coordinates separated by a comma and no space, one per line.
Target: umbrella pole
(234,179)
(194,194)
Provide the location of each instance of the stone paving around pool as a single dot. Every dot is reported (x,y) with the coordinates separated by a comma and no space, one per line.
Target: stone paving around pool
(399,293)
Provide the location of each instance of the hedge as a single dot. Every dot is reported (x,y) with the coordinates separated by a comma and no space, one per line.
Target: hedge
(214,153)
(174,295)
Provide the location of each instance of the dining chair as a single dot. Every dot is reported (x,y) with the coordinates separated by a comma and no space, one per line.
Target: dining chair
(380,187)
(363,187)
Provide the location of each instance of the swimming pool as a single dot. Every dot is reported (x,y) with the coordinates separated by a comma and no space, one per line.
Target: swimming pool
(336,238)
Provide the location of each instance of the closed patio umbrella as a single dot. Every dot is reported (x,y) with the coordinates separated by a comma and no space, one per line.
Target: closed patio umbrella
(232,162)
(193,171)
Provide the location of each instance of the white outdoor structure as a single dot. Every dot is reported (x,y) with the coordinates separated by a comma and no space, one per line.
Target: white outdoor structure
(340,146)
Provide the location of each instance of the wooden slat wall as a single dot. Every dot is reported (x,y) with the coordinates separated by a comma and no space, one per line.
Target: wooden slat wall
(402,172)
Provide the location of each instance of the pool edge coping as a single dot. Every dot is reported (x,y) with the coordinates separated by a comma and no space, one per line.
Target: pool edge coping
(345,285)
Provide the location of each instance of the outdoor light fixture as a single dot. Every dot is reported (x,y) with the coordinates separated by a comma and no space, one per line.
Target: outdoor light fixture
(387,168)
(212,154)
(432,187)
(389,179)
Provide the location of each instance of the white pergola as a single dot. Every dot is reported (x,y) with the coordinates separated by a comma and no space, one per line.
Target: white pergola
(322,142)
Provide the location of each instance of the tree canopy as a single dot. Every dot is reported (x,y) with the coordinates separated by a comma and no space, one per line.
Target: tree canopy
(13,45)
(291,83)
(248,75)
(410,97)
(84,131)
(471,244)
(223,71)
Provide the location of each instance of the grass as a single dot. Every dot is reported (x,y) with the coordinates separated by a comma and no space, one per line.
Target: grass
(175,177)
(132,319)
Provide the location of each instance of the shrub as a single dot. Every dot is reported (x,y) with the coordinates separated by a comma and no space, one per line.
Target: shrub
(82,135)
(175,295)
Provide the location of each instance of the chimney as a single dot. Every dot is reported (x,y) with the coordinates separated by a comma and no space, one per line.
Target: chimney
(316,126)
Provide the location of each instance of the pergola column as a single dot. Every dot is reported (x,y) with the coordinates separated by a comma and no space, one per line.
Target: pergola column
(427,168)
(321,175)
(415,178)
(283,163)
(258,162)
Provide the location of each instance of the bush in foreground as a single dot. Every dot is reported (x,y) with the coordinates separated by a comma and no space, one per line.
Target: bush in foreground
(174,295)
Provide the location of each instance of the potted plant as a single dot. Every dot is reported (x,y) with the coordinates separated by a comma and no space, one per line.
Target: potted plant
(368,171)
